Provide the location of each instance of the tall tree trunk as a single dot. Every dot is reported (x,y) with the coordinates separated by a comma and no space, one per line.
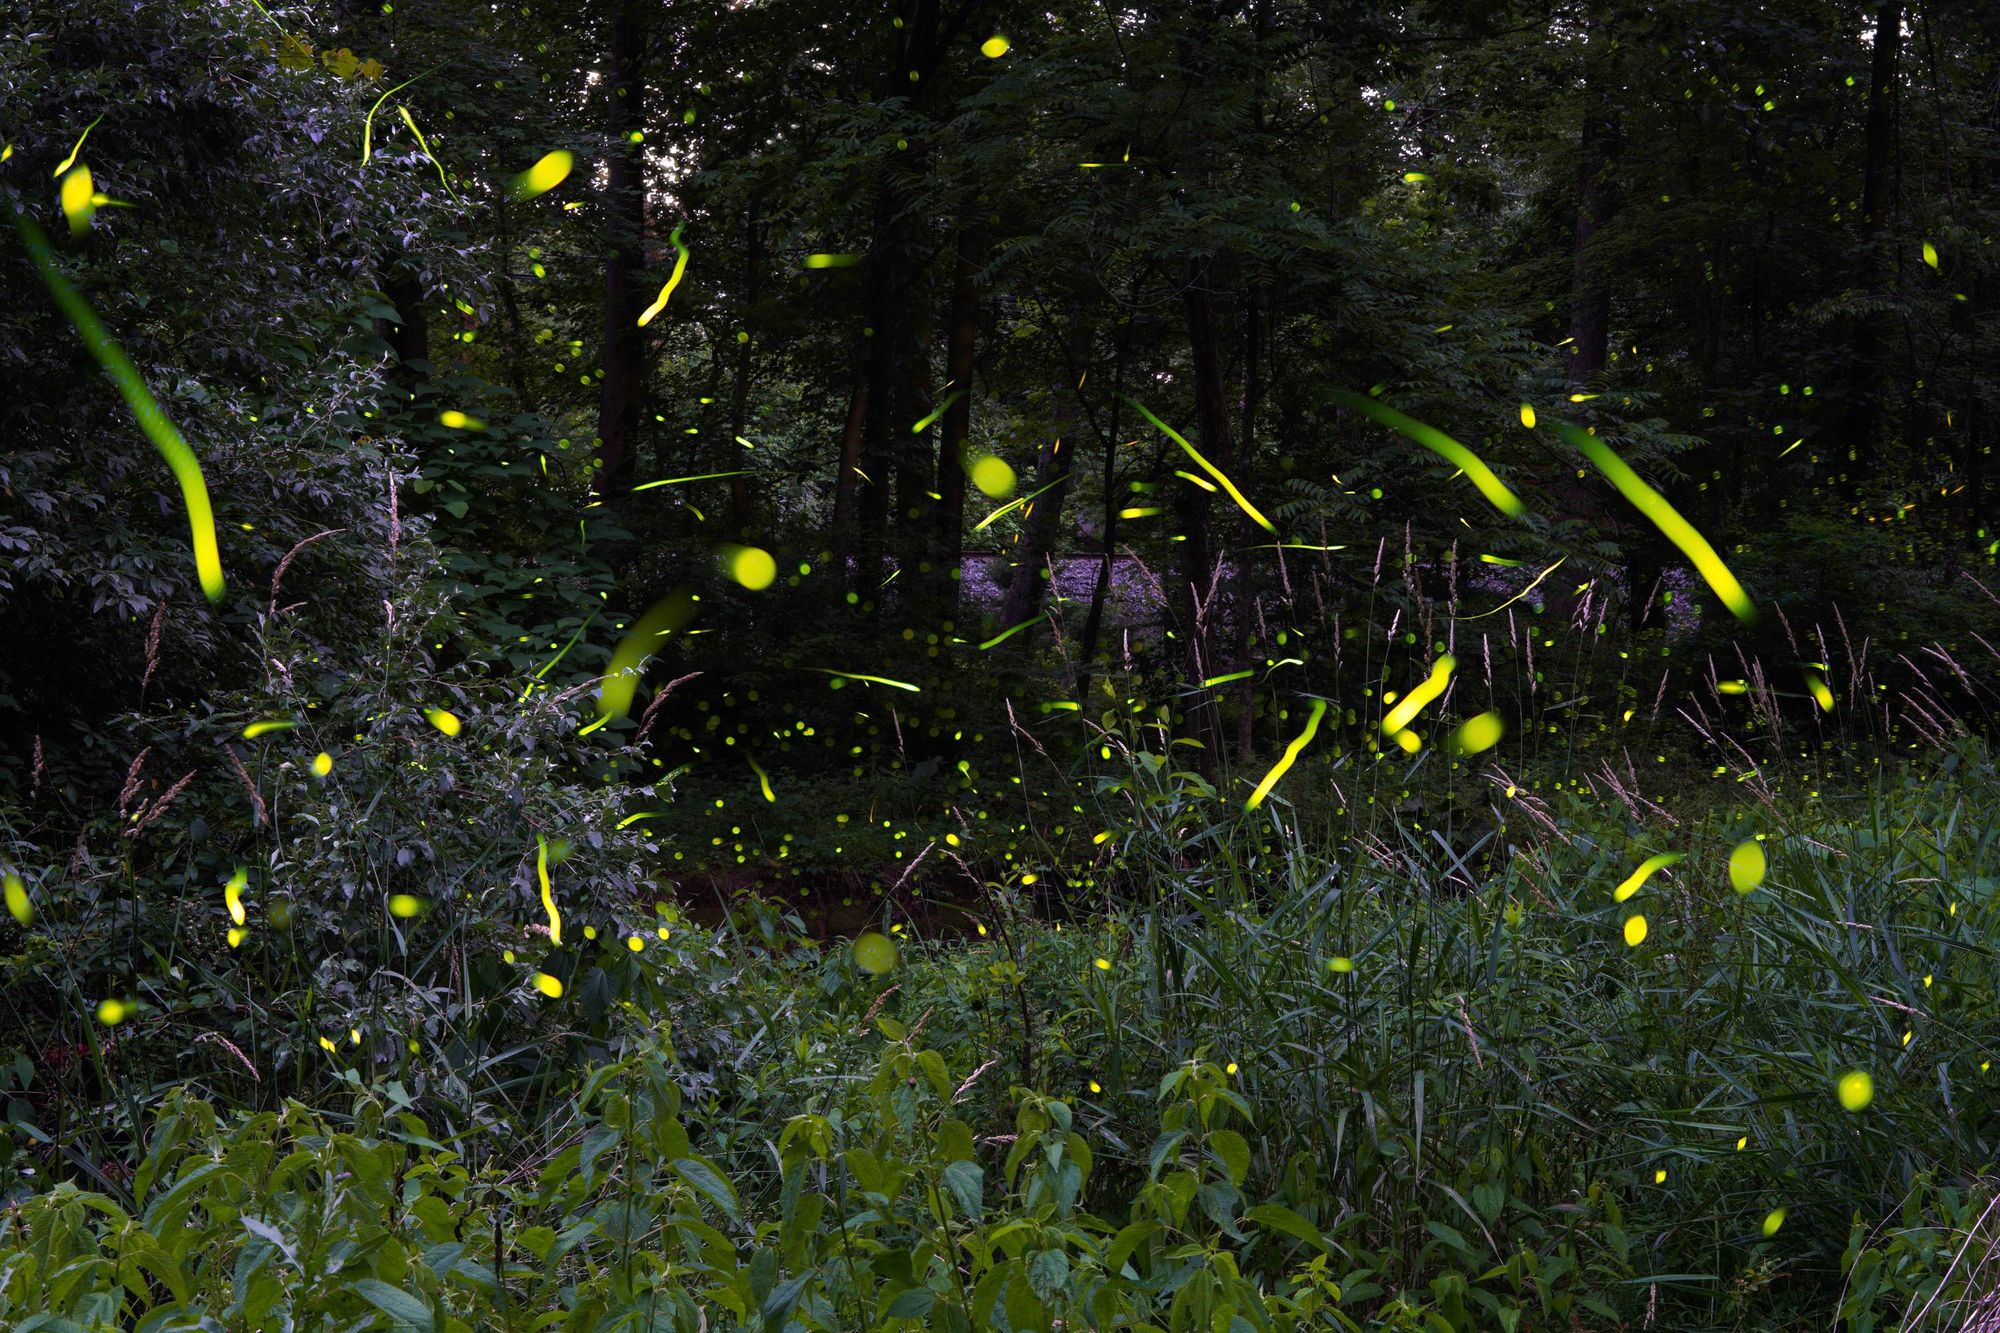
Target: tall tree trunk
(1039,538)
(409,337)
(961,337)
(1590,293)
(916,454)
(1590,317)
(739,398)
(898,314)
(1100,593)
(1865,382)
(1196,586)
(622,401)
(872,477)
(1244,591)
(513,343)
(850,458)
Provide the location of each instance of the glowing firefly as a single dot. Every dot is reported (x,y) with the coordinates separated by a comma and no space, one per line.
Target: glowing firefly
(870,680)
(1477,734)
(673,279)
(180,459)
(1746,865)
(1206,466)
(1633,882)
(79,200)
(750,566)
(545,175)
(1289,757)
(926,422)
(1443,445)
(681,481)
(992,475)
(621,679)
(874,952)
(1413,703)
(18,905)
(368,121)
(548,894)
(1011,631)
(1655,507)
(70,161)
(424,144)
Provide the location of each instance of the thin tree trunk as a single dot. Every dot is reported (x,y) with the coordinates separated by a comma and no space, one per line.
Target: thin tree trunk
(1197,582)
(739,399)
(916,452)
(897,314)
(409,338)
(1038,539)
(622,401)
(1100,593)
(1865,386)
(1590,294)
(1245,581)
(959,347)
(850,458)
(513,344)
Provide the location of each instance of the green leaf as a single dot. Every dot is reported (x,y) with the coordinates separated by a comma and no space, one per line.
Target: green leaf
(912,1304)
(702,1174)
(1277,1217)
(1048,1274)
(934,1071)
(778,1305)
(1233,1151)
(967,1185)
(1126,1241)
(399,1305)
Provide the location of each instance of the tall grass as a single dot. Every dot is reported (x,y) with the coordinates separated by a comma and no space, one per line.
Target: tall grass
(1497,1051)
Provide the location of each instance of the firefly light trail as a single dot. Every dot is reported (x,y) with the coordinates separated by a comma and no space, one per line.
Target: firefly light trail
(673,279)
(1664,516)
(180,458)
(1438,442)
(1208,467)
(1290,756)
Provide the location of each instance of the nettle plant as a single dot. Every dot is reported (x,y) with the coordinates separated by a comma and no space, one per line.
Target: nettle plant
(889,1212)
(348,881)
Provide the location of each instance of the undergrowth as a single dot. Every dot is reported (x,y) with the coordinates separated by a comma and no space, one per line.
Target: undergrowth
(1304,1083)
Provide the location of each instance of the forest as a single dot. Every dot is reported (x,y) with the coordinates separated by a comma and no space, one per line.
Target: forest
(830,667)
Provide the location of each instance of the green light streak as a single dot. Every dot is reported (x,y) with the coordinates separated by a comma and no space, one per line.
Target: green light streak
(673,279)
(1290,756)
(1443,445)
(180,459)
(1664,516)
(1208,467)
